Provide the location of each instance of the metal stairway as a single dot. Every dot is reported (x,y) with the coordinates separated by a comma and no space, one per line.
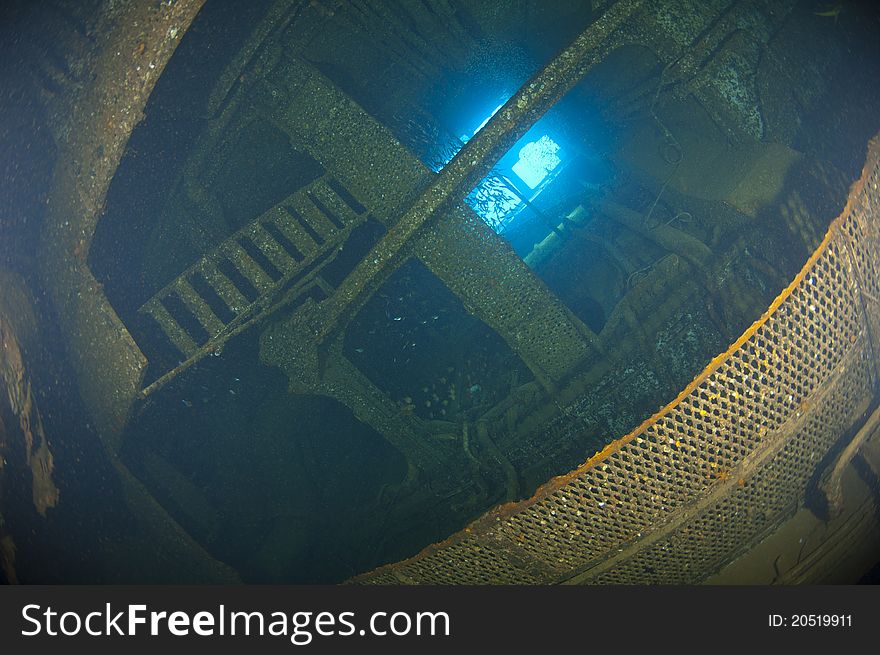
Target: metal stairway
(231,284)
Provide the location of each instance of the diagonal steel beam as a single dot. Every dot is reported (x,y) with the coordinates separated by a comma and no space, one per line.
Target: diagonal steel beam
(475,160)
(295,344)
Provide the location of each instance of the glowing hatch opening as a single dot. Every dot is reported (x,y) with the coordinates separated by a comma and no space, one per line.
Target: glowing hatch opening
(518,177)
(537,159)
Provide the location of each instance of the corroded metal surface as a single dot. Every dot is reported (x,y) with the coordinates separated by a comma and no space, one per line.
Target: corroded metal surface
(24,445)
(738,435)
(720,465)
(294,239)
(93,125)
(18,398)
(459,247)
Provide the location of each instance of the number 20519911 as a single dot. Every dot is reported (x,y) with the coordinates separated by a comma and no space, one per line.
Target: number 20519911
(810,621)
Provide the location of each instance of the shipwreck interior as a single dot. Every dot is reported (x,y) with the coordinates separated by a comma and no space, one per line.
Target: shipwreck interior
(455,291)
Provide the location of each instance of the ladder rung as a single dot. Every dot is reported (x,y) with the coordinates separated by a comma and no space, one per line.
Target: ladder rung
(172,329)
(247,266)
(200,309)
(318,221)
(331,200)
(228,292)
(290,227)
(273,250)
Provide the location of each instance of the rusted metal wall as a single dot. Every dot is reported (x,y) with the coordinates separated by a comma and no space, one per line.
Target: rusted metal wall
(92,122)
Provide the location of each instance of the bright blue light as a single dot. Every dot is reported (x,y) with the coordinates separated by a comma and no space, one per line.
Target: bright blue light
(488,118)
(536,160)
(518,177)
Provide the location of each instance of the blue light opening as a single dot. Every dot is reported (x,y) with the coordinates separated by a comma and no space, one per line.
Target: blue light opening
(537,159)
(519,176)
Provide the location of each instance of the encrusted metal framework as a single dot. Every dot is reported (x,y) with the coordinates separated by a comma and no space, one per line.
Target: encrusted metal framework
(718,467)
(672,501)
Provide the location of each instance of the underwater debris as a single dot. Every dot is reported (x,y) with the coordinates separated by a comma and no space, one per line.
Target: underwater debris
(830,11)
(20,398)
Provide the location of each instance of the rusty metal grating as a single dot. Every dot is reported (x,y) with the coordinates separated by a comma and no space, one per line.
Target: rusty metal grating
(707,475)
(748,507)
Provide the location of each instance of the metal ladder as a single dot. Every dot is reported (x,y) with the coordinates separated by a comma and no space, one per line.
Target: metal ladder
(263,257)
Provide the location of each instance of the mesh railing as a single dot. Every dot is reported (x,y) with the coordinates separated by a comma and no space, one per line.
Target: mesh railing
(718,467)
